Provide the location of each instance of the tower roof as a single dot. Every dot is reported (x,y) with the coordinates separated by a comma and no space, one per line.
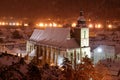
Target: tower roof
(81,22)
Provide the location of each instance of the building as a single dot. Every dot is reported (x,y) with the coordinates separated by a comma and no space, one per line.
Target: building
(103,52)
(53,44)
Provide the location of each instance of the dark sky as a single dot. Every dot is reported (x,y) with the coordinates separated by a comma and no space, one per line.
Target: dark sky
(60,8)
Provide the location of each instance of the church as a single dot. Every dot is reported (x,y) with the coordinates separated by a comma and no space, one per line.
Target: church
(53,44)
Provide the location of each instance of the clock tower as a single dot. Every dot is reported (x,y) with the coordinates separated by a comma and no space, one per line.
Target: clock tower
(81,35)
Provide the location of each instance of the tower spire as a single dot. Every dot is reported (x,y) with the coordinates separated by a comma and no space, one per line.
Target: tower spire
(81,22)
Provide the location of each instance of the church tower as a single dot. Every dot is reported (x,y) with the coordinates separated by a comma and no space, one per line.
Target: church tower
(81,35)
(81,22)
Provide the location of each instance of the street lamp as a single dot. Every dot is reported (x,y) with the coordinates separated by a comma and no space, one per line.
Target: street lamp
(99,50)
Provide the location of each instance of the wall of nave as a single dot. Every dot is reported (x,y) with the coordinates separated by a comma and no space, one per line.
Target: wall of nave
(54,56)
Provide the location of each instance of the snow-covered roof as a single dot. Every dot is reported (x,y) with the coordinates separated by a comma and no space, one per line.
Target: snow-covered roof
(57,37)
(105,49)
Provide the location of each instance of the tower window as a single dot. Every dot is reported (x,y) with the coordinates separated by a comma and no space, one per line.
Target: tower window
(84,34)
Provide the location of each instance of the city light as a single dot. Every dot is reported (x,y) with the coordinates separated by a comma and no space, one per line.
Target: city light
(109,26)
(46,25)
(50,24)
(26,24)
(3,23)
(99,26)
(17,24)
(41,24)
(54,25)
(90,26)
(59,25)
(10,24)
(13,23)
(73,24)
(99,50)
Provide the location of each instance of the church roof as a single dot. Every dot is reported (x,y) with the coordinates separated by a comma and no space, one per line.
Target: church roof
(57,37)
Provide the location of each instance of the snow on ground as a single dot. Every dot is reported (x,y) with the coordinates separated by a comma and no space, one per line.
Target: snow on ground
(8,60)
(111,68)
(23,69)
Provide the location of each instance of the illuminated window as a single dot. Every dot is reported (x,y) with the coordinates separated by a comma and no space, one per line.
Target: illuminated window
(78,56)
(85,54)
(71,55)
(84,34)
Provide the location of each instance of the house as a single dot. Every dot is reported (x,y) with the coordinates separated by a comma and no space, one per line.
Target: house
(103,52)
(53,44)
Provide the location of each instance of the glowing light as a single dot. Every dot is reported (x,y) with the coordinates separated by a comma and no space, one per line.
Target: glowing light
(89,20)
(99,25)
(62,69)
(52,64)
(90,26)
(17,24)
(41,24)
(50,24)
(109,26)
(79,61)
(3,23)
(54,25)
(0,23)
(46,25)
(49,19)
(59,25)
(26,24)
(73,24)
(99,50)
(60,60)
(10,24)
(13,23)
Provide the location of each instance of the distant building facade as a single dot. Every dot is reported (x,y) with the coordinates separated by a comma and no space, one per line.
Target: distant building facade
(53,44)
(103,52)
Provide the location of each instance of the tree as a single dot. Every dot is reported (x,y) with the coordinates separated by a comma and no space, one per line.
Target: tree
(11,73)
(68,70)
(66,63)
(22,61)
(33,72)
(85,70)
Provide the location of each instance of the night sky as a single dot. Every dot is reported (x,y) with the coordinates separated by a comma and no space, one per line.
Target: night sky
(102,9)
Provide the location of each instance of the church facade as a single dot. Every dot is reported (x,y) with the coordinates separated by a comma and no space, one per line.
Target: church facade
(53,44)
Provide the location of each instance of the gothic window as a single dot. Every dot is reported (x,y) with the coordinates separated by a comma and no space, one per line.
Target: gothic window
(84,34)
(78,56)
(41,50)
(71,55)
(85,54)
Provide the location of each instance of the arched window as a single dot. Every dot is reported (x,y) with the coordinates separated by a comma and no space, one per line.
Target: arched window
(78,55)
(85,54)
(71,55)
(84,34)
